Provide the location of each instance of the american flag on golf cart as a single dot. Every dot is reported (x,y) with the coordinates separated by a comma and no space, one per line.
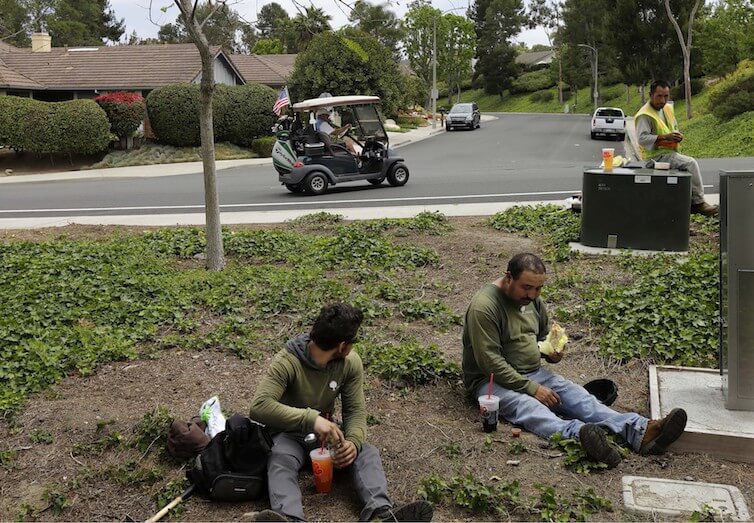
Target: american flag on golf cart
(282,101)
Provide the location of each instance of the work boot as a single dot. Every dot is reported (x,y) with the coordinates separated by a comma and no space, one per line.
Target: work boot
(415,511)
(597,447)
(268,515)
(662,432)
(704,208)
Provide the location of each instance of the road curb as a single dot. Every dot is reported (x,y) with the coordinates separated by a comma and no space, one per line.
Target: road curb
(168,169)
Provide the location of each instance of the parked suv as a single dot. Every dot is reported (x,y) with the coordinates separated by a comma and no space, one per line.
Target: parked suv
(463,115)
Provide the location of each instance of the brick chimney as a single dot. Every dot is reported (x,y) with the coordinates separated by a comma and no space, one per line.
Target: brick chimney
(41,43)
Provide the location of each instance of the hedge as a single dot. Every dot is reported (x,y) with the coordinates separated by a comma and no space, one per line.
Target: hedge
(174,114)
(532,81)
(248,113)
(241,113)
(74,127)
(679,91)
(734,94)
(263,146)
(542,96)
(124,110)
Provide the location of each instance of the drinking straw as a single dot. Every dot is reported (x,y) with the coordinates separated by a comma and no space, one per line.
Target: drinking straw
(322,448)
(489,388)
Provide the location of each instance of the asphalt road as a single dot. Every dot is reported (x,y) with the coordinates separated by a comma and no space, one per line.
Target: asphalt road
(516,157)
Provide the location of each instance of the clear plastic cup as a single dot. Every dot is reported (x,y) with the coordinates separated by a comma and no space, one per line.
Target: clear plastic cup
(607,158)
(488,409)
(322,468)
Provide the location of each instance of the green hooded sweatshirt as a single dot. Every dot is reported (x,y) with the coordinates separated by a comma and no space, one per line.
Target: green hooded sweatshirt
(294,391)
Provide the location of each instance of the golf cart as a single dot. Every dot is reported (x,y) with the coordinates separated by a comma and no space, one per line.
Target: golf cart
(309,161)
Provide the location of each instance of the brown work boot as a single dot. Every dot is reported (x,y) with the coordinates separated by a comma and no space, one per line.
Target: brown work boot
(704,208)
(597,447)
(662,432)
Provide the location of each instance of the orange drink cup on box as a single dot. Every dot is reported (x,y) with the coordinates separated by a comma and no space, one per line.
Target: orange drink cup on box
(607,158)
(322,469)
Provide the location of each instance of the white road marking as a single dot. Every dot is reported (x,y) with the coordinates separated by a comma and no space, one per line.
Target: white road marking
(308,202)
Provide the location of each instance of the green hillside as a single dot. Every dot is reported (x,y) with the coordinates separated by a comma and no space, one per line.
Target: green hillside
(705,135)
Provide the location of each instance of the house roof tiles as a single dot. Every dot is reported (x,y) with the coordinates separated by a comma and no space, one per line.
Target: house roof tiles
(108,67)
(535,57)
(269,69)
(13,80)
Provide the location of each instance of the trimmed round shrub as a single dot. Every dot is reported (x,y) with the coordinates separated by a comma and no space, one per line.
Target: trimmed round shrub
(124,110)
(246,113)
(83,125)
(240,113)
(263,146)
(74,127)
(734,94)
(174,114)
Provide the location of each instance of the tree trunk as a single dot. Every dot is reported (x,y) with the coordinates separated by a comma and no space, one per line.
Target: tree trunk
(213,229)
(685,48)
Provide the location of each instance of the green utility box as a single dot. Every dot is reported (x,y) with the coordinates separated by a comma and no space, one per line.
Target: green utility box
(642,209)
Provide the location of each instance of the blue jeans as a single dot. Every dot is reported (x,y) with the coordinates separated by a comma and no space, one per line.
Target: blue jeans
(576,408)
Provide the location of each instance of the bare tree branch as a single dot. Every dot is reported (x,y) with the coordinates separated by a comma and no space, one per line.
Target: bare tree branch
(685,49)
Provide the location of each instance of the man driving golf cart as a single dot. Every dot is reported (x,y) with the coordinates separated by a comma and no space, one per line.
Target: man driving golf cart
(307,160)
(324,125)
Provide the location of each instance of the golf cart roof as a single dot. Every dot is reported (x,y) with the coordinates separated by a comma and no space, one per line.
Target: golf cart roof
(333,101)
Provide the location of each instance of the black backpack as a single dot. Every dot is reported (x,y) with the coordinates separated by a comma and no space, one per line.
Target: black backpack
(233,467)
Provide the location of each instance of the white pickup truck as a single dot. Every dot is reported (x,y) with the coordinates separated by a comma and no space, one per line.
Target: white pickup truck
(609,121)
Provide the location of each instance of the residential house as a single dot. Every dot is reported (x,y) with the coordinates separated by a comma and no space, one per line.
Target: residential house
(65,73)
(268,69)
(536,59)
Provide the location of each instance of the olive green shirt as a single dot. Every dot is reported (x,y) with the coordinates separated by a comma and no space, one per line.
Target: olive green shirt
(293,393)
(501,337)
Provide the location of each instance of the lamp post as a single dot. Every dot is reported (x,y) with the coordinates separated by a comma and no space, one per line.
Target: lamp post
(434,73)
(596,65)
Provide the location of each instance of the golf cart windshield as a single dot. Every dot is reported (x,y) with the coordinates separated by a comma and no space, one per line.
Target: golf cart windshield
(368,123)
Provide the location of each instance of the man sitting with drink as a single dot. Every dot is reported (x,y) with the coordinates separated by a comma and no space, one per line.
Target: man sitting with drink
(506,334)
(659,138)
(297,396)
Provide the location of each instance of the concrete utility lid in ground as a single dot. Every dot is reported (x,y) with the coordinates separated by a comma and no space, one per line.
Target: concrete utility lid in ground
(711,429)
(674,498)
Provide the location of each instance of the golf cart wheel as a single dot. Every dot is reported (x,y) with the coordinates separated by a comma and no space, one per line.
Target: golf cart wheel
(376,181)
(294,187)
(316,183)
(398,175)
(594,136)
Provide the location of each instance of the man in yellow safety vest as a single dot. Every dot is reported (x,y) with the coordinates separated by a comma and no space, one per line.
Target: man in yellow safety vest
(659,138)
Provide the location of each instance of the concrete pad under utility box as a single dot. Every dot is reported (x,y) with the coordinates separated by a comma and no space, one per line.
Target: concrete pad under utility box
(711,428)
(670,497)
(585,249)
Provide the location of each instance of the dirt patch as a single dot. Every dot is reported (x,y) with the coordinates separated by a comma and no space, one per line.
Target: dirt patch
(419,431)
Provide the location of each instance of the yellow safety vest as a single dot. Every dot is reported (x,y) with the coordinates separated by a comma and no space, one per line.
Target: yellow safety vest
(661,147)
